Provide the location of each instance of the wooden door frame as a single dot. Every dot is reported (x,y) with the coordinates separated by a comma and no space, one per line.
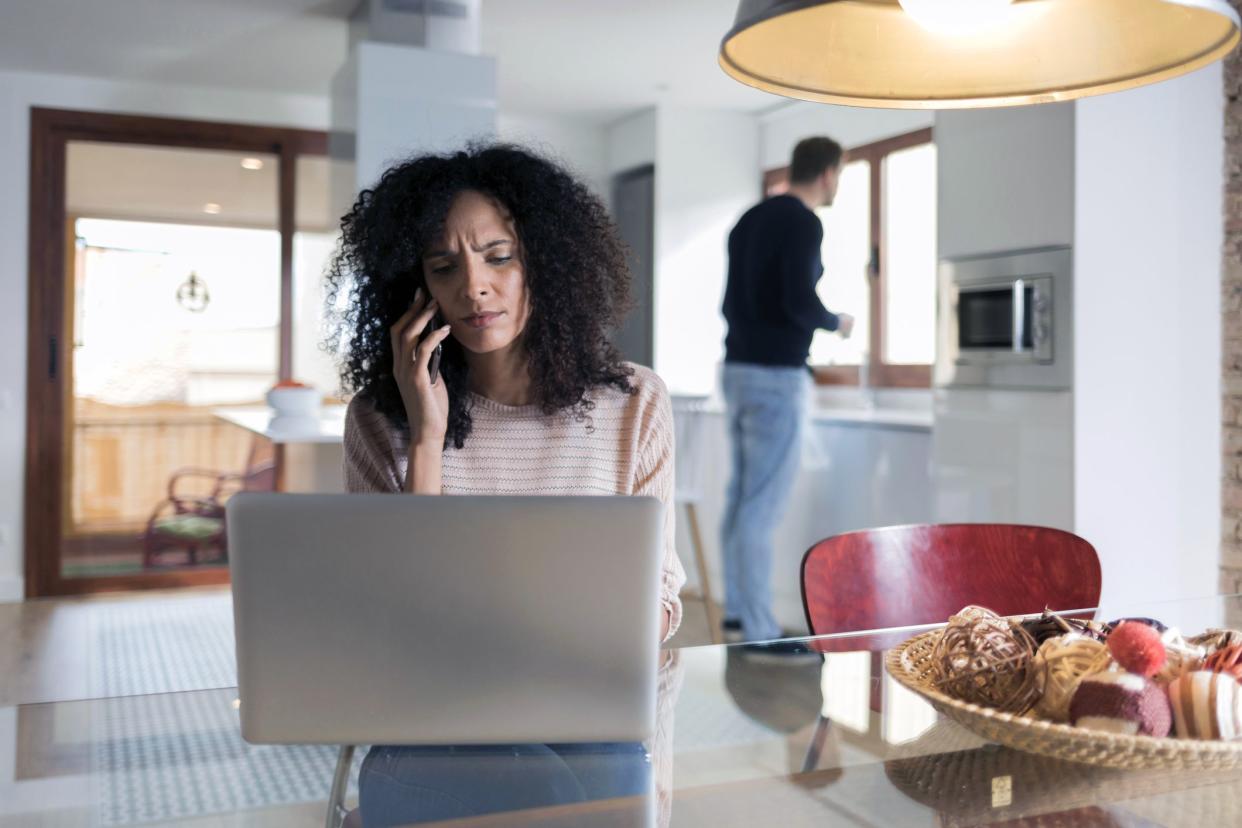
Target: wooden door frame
(47,392)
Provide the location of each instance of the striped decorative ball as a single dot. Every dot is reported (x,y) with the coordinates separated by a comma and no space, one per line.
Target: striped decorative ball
(1207,705)
(1120,702)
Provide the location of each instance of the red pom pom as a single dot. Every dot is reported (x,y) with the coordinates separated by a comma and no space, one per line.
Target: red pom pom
(1137,648)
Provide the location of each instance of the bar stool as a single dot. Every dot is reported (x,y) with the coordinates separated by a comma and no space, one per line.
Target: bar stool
(688,412)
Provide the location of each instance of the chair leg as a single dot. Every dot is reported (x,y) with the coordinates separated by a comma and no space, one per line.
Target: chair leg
(340,784)
(705,584)
(816,748)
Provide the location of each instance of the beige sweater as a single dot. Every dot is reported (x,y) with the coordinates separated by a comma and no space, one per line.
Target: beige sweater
(521,451)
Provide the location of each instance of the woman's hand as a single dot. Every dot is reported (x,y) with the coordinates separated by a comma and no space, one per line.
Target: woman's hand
(426,405)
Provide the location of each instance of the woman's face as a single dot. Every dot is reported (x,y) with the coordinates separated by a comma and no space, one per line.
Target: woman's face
(474,270)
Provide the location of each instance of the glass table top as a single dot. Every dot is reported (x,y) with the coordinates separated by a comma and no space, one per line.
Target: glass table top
(742,738)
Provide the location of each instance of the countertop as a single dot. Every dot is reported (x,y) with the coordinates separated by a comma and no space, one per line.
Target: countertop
(327,427)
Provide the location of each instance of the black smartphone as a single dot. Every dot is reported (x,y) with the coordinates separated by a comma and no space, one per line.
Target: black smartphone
(433,365)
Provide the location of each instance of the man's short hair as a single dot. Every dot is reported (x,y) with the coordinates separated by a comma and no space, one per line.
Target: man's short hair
(812,157)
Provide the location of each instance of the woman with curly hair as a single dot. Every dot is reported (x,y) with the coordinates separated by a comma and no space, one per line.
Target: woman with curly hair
(523,269)
(482,287)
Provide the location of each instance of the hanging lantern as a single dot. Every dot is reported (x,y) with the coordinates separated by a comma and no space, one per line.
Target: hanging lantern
(193,295)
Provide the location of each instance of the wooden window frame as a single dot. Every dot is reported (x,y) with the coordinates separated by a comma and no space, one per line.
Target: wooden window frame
(48,395)
(882,374)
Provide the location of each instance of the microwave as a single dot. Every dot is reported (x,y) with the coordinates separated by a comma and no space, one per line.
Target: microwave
(1004,320)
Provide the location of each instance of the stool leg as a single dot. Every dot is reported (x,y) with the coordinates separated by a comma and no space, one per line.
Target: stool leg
(340,784)
(705,584)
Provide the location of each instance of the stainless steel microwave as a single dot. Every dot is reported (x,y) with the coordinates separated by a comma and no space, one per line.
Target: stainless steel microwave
(1004,320)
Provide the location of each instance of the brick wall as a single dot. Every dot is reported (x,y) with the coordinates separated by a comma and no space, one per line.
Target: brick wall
(1231,296)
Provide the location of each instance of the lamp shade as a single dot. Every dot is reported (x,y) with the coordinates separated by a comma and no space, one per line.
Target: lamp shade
(942,54)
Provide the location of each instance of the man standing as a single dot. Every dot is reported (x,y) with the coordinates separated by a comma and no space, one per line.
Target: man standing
(772,311)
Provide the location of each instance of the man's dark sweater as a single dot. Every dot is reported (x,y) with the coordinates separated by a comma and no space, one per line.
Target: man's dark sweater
(770,300)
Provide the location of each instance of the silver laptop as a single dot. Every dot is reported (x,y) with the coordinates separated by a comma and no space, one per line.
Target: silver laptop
(402,619)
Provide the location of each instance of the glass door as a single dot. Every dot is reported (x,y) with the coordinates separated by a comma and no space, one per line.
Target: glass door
(166,259)
(175,312)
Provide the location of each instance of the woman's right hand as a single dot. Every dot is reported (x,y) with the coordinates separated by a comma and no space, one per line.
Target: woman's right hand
(426,405)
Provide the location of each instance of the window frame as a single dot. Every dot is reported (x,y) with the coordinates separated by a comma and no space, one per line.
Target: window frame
(882,373)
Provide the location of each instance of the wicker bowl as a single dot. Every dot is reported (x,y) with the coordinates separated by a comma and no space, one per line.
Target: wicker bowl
(910,663)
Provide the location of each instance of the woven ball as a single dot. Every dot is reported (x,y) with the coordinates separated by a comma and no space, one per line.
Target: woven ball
(1214,639)
(1050,625)
(1061,664)
(1227,661)
(1207,705)
(1120,702)
(971,613)
(1137,647)
(1182,656)
(1158,626)
(982,659)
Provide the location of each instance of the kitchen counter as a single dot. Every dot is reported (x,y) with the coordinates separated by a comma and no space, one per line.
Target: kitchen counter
(915,418)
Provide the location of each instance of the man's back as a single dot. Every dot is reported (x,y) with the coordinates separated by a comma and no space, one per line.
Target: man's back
(770,301)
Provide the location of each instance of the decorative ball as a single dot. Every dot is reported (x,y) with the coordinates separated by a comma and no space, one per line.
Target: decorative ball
(971,613)
(985,660)
(1227,661)
(1050,625)
(1118,702)
(1215,639)
(1151,622)
(1207,705)
(1137,647)
(1182,656)
(1061,664)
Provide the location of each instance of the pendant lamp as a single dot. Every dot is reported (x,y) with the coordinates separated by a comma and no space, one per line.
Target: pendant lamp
(945,54)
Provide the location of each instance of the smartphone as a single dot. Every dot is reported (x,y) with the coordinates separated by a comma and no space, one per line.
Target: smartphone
(433,365)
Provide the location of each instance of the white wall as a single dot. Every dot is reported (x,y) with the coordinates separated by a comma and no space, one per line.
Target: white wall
(785,126)
(579,144)
(1148,230)
(18,92)
(1005,178)
(707,175)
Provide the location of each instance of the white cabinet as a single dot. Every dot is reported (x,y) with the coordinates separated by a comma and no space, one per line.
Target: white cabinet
(1006,179)
(1003,456)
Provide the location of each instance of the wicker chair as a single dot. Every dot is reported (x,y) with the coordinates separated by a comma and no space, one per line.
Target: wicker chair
(195,522)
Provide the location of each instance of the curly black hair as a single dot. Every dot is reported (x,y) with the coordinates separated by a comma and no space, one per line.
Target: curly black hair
(577,278)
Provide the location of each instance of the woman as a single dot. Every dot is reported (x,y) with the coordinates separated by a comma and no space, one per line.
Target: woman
(515,388)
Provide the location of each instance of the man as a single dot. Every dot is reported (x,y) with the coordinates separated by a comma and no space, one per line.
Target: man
(772,311)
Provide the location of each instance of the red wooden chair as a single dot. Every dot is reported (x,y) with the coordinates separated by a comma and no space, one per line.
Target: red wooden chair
(906,575)
(903,576)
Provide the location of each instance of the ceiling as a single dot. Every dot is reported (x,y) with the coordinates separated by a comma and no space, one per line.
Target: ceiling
(143,183)
(624,54)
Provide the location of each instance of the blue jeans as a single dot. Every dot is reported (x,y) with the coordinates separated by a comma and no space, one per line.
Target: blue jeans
(400,785)
(765,406)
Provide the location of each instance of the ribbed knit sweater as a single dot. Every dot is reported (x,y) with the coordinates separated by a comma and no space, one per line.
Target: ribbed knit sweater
(624,448)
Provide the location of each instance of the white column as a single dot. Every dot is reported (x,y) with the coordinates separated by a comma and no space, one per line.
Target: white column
(391,101)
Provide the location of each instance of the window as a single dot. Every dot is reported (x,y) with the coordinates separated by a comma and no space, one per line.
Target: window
(879,263)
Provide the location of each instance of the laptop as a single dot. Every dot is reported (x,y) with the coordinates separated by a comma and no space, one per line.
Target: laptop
(404,619)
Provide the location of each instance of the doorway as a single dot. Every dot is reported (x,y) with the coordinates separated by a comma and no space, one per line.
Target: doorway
(166,258)
(633,205)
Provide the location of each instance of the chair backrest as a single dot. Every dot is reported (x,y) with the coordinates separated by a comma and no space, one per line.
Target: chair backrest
(688,415)
(260,472)
(907,575)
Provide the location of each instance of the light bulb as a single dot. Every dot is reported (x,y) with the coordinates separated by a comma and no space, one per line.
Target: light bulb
(957,17)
